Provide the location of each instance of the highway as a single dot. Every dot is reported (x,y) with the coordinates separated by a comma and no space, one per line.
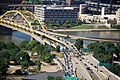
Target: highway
(72,57)
(101,69)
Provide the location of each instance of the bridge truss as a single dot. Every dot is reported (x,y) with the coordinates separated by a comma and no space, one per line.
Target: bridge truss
(22,18)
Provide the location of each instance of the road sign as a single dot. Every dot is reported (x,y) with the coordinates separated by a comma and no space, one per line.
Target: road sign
(70,78)
(104,64)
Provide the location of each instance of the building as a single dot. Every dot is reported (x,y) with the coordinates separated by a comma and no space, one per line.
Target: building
(75,2)
(56,13)
(29,7)
(118,16)
(110,6)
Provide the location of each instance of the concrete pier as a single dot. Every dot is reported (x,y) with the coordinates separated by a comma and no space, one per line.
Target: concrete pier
(5,30)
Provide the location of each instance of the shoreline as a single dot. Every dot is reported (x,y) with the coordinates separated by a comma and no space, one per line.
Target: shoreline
(70,30)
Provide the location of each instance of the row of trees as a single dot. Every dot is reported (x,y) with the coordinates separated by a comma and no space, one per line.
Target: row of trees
(11,52)
(19,54)
(104,53)
(61,25)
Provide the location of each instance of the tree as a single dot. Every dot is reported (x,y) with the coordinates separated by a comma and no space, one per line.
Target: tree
(57,48)
(115,68)
(58,78)
(79,43)
(2,45)
(107,44)
(22,56)
(32,44)
(4,61)
(45,51)
(67,24)
(23,44)
(38,64)
(50,78)
(13,53)
(40,1)
(38,49)
(24,64)
(47,58)
(10,45)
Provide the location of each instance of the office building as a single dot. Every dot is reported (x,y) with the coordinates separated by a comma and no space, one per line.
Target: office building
(56,13)
(96,5)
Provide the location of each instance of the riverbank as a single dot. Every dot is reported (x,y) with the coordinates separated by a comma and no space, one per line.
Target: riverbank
(65,30)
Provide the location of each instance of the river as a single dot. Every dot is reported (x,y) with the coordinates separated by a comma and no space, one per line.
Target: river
(17,37)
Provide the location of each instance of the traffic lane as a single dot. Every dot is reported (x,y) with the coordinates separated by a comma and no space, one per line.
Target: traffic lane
(99,74)
(91,71)
(80,69)
(102,69)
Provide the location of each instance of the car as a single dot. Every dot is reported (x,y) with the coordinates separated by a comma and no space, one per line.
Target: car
(91,71)
(76,62)
(85,64)
(91,64)
(80,59)
(83,58)
(95,66)
(88,68)
(101,71)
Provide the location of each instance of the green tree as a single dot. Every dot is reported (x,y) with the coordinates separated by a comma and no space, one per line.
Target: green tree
(24,64)
(57,48)
(67,25)
(47,58)
(2,45)
(58,78)
(23,44)
(50,78)
(13,53)
(10,45)
(38,49)
(115,68)
(79,43)
(38,64)
(108,44)
(118,51)
(40,1)
(32,44)
(4,61)
(22,56)
(45,51)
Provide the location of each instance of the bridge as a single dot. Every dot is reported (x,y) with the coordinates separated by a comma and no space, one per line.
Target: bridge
(24,21)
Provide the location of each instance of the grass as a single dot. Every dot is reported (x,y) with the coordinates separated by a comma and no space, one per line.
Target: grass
(58,54)
(103,27)
(83,27)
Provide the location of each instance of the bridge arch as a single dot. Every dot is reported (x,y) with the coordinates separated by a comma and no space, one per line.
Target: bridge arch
(23,14)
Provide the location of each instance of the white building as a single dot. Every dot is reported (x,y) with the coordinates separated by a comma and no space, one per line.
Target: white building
(118,16)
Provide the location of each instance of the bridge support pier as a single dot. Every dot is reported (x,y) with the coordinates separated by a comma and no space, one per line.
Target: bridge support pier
(5,30)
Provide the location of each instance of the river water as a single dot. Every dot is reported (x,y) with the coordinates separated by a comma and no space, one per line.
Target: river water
(95,34)
(17,37)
